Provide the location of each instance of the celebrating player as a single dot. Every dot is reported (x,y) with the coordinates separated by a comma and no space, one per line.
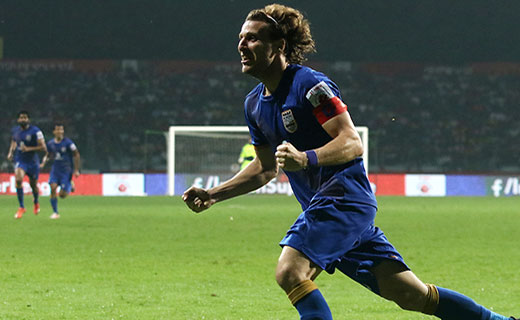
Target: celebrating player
(66,164)
(299,123)
(26,141)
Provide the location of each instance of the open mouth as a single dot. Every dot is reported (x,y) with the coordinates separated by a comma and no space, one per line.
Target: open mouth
(245,60)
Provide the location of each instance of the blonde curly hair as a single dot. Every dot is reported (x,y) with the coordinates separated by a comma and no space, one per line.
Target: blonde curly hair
(289,24)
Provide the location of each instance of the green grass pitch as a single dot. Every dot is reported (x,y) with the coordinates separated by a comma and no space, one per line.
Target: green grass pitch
(151,258)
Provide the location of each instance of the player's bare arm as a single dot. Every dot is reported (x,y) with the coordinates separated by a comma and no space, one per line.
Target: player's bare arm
(45,159)
(10,153)
(258,173)
(77,161)
(345,146)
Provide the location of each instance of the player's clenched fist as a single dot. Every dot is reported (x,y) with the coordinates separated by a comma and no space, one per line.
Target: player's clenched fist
(289,158)
(197,199)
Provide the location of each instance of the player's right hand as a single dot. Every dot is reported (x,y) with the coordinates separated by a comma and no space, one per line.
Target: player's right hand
(10,156)
(197,199)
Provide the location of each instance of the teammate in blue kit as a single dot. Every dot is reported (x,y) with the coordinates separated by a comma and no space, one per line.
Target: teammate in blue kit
(26,141)
(299,123)
(66,164)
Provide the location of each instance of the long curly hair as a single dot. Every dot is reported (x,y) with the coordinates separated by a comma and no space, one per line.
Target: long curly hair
(289,24)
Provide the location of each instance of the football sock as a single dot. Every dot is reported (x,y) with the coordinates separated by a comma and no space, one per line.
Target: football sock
(35,195)
(54,204)
(453,305)
(309,302)
(19,193)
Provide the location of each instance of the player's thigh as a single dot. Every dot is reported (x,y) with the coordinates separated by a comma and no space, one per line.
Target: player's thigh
(19,173)
(293,268)
(397,283)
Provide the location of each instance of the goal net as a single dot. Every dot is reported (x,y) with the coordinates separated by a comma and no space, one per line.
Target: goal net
(207,155)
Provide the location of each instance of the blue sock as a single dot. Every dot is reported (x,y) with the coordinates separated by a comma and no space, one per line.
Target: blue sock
(453,305)
(54,204)
(19,193)
(313,307)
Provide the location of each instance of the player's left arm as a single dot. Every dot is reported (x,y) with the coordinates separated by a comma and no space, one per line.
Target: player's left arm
(345,146)
(77,161)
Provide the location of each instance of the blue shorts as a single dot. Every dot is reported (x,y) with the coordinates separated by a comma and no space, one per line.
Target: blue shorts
(62,179)
(336,234)
(32,170)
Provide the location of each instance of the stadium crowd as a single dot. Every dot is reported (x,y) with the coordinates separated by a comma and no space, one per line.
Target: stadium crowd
(422,118)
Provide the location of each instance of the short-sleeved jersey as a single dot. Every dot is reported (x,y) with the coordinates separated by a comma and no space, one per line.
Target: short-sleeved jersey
(290,114)
(62,152)
(28,137)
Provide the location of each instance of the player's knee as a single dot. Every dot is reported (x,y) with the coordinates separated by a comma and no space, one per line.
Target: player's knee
(287,277)
(407,299)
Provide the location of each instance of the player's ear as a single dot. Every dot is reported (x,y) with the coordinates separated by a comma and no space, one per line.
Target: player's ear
(281,45)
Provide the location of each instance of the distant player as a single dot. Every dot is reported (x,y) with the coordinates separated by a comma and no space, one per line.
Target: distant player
(26,141)
(247,154)
(66,164)
(299,123)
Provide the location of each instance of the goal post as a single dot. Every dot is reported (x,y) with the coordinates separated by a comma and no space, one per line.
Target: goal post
(212,151)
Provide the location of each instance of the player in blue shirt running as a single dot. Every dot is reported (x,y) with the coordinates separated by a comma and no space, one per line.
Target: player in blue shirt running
(26,141)
(66,164)
(299,123)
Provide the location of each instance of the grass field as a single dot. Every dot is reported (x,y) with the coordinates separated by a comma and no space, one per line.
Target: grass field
(150,258)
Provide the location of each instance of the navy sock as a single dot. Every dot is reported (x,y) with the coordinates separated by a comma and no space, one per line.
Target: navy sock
(19,193)
(35,195)
(54,204)
(313,307)
(453,305)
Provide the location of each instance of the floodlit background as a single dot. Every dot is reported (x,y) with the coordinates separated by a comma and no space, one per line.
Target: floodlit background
(435,81)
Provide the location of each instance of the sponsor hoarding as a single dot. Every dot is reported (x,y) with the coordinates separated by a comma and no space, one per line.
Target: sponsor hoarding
(126,184)
(86,184)
(425,185)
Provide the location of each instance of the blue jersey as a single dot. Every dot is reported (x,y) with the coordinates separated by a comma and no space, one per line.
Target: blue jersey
(63,153)
(28,137)
(289,114)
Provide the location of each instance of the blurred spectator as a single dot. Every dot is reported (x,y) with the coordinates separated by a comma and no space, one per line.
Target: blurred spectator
(421,118)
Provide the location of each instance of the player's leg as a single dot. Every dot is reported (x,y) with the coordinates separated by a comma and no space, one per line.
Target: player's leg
(63,194)
(33,172)
(36,192)
(54,199)
(398,284)
(295,274)
(19,174)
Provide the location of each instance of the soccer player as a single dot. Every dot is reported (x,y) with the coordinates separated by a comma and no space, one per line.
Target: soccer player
(66,164)
(26,141)
(298,122)
(247,154)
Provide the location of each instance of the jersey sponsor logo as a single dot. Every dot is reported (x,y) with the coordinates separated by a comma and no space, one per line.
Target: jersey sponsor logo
(28,138)
(288,121)
(319,93)
(63,149)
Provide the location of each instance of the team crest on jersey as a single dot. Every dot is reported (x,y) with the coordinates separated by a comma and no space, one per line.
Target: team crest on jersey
(28,137)
(319,93)
(63,149)
(288,121)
